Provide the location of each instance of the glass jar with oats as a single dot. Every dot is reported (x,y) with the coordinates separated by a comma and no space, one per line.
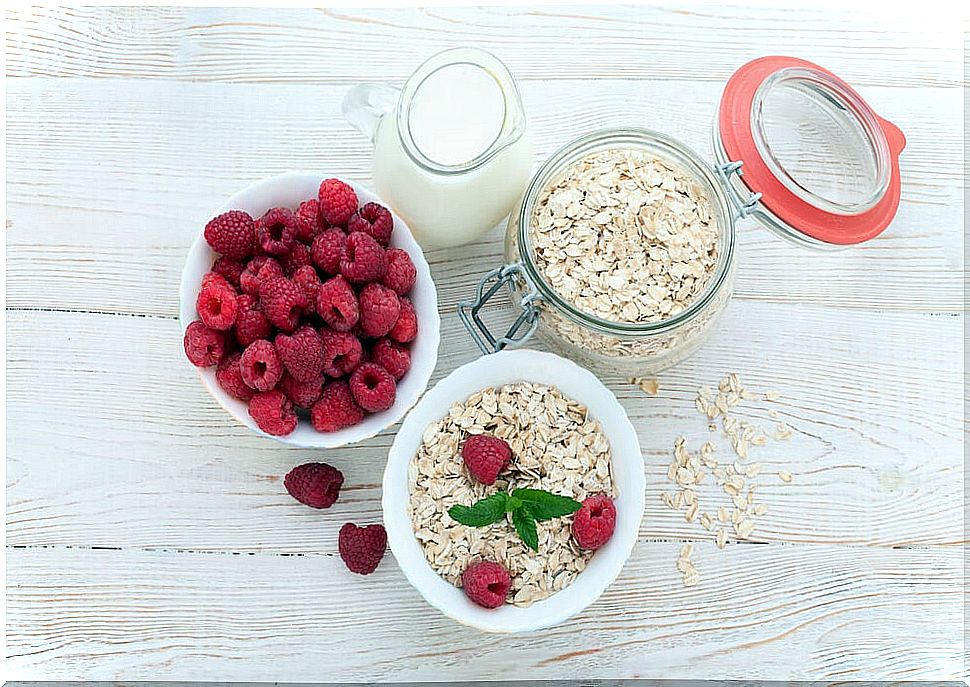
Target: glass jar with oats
(621,252)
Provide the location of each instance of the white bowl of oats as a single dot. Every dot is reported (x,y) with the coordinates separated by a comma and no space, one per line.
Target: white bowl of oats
(568,435)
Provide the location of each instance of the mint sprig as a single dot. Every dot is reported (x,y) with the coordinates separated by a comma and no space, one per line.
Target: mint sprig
(526,506)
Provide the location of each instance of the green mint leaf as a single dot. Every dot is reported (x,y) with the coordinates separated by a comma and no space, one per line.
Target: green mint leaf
(513,504)
(481,513)
(525,525)
(544,505)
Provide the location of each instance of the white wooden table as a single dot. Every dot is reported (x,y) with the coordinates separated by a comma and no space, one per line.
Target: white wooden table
(149,535)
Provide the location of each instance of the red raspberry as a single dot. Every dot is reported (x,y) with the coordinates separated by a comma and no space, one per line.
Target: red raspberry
(363,260)
(375,220)
(260,365)
(373,387)
(303,394)
(342,352)
(260,269)
(301,354)
(392,356)
(273,412)
(251,323)
(336,408)
(229,376)
(309,221)
(276,231)
(314,484)
(309,282)
(400,274)
(299,256)
(216,303)
(337,304)
(327,248)
(230,269)
(283,303)
(379,310)
(594,522)
(338,201)
(486,583)
(485,457)
(215,279)
(231,233)
(204,347)
(406,328)
(362,548)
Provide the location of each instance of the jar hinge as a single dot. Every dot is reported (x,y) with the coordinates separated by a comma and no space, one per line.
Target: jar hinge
(524,325)
(743,206)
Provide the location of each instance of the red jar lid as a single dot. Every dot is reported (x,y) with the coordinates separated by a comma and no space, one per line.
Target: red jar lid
(826,165)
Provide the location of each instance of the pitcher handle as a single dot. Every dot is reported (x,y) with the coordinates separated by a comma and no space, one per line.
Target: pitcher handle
(365,105)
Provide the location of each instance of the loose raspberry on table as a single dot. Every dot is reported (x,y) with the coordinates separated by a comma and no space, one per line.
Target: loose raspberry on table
(276,231)
(260,365)
(486,583)
(380,308)
(392,356)
(405,329)
(363,260)
(327,249)
(594,522)
(273,412)
(282,302)
(204,346)
(342,352)
(373,219)
(230,269)
(336,408)
(308,280)
(299,256)
(337,201)
(232,234)
(309,221)
(485,457)
(251,323)
(337,304)
(303,394)
(314,484)
(400,274)
(301,353)
(216,303)
(229,376)
(362,548)
(373,387)
(259,270)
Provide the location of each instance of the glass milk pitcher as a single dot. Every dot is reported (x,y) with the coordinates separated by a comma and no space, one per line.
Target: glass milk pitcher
(452,152)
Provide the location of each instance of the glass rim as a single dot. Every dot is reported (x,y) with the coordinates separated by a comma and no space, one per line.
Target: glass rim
(667,148)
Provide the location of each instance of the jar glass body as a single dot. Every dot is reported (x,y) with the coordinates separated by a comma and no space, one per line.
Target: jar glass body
(623,347)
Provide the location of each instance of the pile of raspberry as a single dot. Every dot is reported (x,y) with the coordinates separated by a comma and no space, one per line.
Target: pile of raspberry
(307,309)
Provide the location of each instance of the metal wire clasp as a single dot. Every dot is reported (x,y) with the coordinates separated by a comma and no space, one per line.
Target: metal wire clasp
(742,206)
(520,330)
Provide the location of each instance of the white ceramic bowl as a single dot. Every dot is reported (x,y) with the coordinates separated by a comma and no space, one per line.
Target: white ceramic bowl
(496,370)
(289,190)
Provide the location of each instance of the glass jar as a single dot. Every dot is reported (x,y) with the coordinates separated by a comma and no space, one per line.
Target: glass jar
(773,112)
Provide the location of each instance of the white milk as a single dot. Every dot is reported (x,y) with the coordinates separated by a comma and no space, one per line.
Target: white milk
(457,114)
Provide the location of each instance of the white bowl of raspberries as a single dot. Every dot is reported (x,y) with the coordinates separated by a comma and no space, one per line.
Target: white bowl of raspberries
(309,311)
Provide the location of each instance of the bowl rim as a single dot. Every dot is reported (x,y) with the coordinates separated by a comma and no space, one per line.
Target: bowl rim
(506,367)
(429,334)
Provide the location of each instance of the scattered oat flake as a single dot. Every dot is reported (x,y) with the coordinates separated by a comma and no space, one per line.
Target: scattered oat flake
(784,476)
(772,396)
(650,386)
(720,538)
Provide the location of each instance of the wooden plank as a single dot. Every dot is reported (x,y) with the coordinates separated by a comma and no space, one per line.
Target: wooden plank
(132,185)
(112,441)
(759,612)
(311,46)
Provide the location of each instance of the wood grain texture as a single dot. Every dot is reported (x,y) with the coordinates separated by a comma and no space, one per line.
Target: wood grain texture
(311,46)
(155,149)
(792,612)
(148,534)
